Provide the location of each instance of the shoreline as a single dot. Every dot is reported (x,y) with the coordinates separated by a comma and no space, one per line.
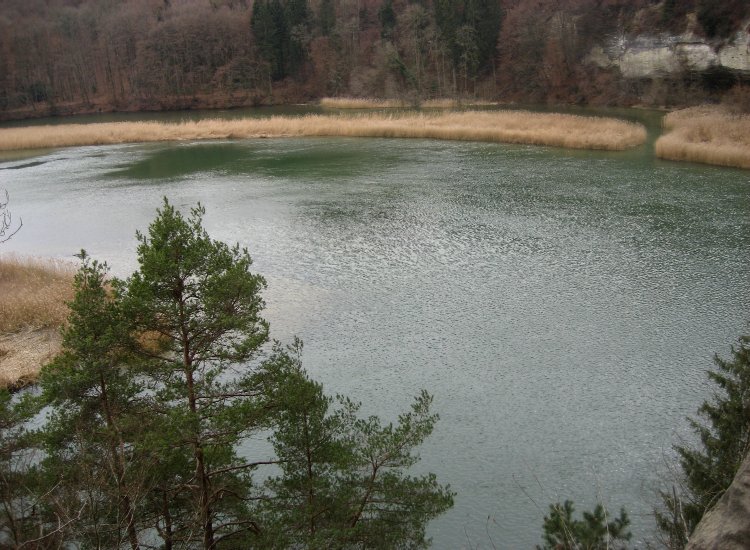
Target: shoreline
(517,127)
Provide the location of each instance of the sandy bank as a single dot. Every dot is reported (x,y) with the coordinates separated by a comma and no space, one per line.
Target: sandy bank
(557,130)
(710,135)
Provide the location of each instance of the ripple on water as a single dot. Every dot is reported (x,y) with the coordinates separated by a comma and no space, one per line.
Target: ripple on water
(562,307)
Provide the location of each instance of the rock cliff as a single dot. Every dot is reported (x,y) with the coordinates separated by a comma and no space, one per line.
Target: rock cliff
(727,525)
(654,56)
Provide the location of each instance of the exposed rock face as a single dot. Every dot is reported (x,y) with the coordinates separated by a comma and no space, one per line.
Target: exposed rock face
(727,525)
(659,56)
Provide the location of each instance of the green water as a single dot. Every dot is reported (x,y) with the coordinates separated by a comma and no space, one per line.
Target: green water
(562,306)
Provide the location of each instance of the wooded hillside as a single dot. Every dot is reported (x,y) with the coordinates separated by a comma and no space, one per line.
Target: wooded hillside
(64,56)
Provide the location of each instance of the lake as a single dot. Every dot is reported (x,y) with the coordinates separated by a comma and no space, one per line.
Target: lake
(561,306)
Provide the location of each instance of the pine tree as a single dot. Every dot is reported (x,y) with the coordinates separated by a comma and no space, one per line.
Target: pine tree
(200,298)
(344,480)
(725,441)
(27,515)
(159,382)
(96,409)
(593,532)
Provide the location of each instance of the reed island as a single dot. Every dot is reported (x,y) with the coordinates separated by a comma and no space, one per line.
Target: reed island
(520,127)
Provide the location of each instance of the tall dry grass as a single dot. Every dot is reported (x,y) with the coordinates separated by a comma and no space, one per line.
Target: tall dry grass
(711,135)
(522,127)
(361,103)
(33,293)
(369,103)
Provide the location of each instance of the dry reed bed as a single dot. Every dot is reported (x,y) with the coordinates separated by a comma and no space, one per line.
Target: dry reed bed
(369,103)
(361,103)
(32,309)
(34,292)
(710,135)
(521,127)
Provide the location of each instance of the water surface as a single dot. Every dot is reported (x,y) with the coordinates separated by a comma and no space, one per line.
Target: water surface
(561,306)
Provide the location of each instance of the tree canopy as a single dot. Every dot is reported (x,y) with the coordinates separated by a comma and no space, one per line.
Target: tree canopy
(163,379)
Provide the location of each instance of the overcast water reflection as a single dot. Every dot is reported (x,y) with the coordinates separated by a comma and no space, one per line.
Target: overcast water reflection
(562,306)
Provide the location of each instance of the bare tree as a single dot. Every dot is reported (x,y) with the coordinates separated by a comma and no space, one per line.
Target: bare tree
(6,220)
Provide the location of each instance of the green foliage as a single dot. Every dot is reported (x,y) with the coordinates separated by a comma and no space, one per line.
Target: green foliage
(21,508)
(725,441)
(281,34)
(96,408)
(159,383)
(200,298)
(387,18)
(326,17)
(593,532)
(469,28)
(344,481)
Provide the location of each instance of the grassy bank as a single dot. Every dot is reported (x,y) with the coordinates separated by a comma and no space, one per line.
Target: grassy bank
(710,135)
(522,127)
(32,310)
(369,103)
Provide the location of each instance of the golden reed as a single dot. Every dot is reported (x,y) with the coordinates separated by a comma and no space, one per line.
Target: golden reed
(558,130)
(369,103)
(710,135)
(34,292)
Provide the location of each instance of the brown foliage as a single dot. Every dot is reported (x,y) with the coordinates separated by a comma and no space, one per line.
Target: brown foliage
(86,56)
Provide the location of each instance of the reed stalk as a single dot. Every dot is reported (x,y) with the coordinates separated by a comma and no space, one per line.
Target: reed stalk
(34,292)
(522,127)
(709,135)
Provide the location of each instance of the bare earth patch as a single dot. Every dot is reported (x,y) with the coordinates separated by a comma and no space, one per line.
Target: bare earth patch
(22,354)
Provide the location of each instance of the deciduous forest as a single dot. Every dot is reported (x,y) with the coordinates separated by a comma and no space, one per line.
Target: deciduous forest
(75,56)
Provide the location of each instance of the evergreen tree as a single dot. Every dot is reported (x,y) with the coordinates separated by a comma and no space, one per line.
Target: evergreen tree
(200,298)
(725,441)
(157,385)
(469,30)
(484,16)
(387,18)
(28,517)
(96,410)
(343,482)
(297,20)
(593,532)
(270,35)
(326,17)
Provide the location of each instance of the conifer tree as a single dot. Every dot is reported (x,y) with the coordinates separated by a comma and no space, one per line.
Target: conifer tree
(200,298)
(725,441)
(344,482)
(96,409)
(23,521)
(593,532)
(157,385)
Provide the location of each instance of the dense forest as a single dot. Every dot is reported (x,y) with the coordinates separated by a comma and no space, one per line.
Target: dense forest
(67,56)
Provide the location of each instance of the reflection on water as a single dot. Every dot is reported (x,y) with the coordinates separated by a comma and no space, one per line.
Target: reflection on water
(304,160)
(562,306)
